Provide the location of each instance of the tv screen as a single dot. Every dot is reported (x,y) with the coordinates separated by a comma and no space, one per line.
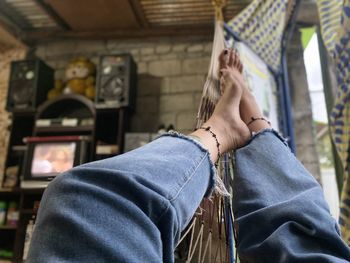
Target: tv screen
(52,158)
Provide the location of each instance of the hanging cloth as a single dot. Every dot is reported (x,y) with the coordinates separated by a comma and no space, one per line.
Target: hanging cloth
(261,26)
(335,29)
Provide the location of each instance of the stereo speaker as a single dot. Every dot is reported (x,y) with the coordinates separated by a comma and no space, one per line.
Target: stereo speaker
(30,81)
(117,80)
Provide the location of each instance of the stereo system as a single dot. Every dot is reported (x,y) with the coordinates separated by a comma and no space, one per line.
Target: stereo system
(116,85)
(30,80)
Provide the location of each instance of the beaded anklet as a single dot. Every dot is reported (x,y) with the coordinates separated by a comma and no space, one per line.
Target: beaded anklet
(216,140)
(258,119)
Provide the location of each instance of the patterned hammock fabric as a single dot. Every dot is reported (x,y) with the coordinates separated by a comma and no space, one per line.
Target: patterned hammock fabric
(209,237)
(335,28)
(261,26)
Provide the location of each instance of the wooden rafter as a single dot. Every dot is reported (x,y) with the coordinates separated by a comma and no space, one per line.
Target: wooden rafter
(139,13)
(52,13)
(141,18)
(38,36)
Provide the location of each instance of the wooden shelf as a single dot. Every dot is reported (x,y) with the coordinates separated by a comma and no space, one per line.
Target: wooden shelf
(15,190)
(108,127)
(19,148)
(33,190)
(65,129)
(28,211)
(5,260)
(107,149)
(8,227)
(16,153)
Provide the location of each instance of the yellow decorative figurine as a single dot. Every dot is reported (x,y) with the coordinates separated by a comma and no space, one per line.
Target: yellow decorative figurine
(80,76)
(57,90)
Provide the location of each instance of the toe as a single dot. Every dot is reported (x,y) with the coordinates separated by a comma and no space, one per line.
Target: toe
(239,63)
(231,60)
(237,60)
(223,58)
(240,67)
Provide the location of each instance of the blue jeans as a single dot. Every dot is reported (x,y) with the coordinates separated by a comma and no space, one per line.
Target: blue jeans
(133,207)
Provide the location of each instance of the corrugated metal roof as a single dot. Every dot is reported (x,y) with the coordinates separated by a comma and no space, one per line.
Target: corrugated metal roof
(43,19)
(27,14)
(186,12)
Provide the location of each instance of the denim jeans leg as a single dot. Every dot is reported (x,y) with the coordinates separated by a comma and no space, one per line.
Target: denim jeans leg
(129,208)
(280,212)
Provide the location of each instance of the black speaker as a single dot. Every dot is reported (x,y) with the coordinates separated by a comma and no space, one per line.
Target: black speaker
(117,80)
(30,80)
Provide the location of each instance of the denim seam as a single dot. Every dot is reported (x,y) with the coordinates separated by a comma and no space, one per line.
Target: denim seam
(167,204)
(268,130)
(212,180)
(191,171)
(170,201)
(190,176)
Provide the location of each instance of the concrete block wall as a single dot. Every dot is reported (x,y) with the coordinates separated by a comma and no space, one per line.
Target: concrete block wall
(305,135)
(171,74)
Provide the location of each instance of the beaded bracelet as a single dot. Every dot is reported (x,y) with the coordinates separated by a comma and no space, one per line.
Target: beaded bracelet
(216,140)
(258,119)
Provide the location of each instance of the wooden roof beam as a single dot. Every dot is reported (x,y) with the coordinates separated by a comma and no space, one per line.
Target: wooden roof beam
(139,13)
(10,33)
(53,14)
(40,36)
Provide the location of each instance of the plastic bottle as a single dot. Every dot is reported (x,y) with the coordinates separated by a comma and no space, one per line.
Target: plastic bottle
(12,214)
(28,238)
(2,213)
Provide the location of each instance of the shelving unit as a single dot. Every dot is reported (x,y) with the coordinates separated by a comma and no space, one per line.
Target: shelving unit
(105,126)
(8,232)
(8,227)
(22,126)
(60,129)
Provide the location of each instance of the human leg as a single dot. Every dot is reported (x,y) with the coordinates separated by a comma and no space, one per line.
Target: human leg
(129,208)
(280,212)
(133,207)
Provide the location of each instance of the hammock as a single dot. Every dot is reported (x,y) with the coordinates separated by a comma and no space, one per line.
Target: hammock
(210,235)
(335,28)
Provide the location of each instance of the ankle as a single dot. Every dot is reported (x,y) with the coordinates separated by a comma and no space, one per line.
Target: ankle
(222,131)
(259,125)
(249,109)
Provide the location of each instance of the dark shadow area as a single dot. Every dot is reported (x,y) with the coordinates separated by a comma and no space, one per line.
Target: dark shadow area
(146,115)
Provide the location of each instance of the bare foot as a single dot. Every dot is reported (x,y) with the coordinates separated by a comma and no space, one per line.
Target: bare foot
(249,109)
(226,122)
(248,106)
(227,108)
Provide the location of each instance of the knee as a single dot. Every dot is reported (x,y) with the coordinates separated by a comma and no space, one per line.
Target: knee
(59,186)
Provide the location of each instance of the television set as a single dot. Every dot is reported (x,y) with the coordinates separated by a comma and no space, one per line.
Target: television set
(47,157)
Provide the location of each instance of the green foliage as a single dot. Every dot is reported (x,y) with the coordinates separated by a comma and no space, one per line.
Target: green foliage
(306,35)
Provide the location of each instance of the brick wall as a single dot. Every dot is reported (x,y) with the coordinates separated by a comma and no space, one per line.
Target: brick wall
(171,74)
(5,60)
